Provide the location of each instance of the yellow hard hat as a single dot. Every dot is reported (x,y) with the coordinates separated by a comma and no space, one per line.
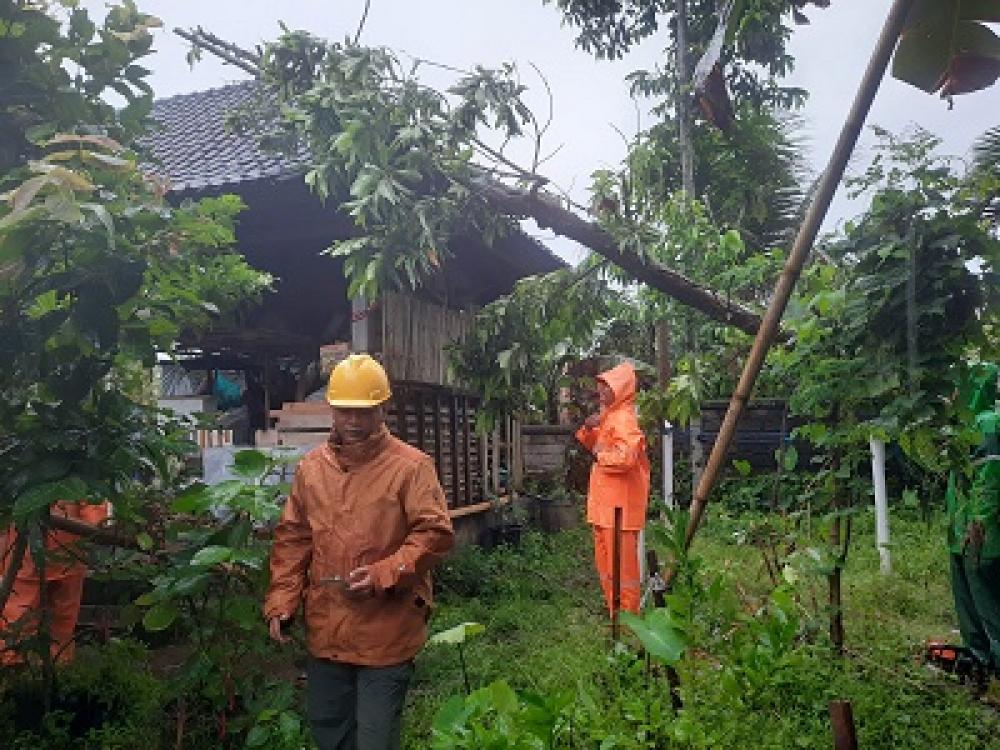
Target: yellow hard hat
(358,382)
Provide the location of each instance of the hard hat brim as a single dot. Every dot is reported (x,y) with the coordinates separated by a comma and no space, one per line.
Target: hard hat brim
(345,403)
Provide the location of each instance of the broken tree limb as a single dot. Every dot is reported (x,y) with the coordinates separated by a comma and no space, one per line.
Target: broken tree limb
(94,534)
(550,214)
(229,53)
(800,252)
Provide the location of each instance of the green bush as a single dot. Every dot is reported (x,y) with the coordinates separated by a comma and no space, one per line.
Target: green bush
(107,699)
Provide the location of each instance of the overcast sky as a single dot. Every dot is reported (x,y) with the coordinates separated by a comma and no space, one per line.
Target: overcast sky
(591,98)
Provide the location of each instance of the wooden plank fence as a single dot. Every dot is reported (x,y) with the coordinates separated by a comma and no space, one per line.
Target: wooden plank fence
(415,334)
(764,427)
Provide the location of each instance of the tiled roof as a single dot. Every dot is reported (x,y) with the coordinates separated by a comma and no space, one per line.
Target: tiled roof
(195,151)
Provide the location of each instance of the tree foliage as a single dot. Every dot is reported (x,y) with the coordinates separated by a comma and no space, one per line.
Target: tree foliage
(884,329)
(395,154)
(96,269)
(755,56)
(516,354)
(948,48)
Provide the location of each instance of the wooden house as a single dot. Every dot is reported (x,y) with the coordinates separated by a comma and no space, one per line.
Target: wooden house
(283,231)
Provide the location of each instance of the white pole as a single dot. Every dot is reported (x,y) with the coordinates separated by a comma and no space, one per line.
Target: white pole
(668,465)
(881,504)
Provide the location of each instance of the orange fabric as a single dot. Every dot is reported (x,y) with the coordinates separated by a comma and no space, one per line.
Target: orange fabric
(65,558)
(379,504)
(620,475)
(22,614)
(631,584)
(65,571)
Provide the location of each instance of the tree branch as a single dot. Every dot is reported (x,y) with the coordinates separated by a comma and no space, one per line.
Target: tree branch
(13,566)
(95,534)
(223,50)
(550,215)
(364,18)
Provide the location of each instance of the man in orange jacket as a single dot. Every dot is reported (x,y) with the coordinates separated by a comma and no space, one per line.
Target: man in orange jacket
(65,571)
(619,478)
(364,523)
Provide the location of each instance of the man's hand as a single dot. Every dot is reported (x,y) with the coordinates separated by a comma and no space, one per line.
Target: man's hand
(274,626)
(360,582)
(594,420)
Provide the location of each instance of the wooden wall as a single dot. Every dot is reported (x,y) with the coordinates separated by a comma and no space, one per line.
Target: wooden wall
(544,448)
(414,336)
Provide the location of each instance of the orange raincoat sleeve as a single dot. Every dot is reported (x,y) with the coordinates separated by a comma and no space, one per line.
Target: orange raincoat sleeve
(290,555)
(430,537)
(619,445)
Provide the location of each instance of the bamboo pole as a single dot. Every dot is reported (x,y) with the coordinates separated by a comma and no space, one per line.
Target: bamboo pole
(797,258)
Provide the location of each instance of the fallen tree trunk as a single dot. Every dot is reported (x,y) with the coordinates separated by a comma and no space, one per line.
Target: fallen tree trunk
(550,214)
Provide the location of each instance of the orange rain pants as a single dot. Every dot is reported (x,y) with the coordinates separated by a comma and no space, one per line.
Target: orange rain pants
(631,586)
(619,478)
(64,576)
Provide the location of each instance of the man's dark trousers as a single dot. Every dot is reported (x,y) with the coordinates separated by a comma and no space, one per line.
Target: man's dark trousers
(976,587)
(356,708)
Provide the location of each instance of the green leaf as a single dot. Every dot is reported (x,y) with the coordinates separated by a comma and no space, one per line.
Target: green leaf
(791,458)
(194,499)
(658,633)
(742,466)
(257,737)
(149,598)
(249,463)
(212,556)
(452,714)
(945,47)
(501,696)
(289,725)
(458,634)
(161,616)
(144,540)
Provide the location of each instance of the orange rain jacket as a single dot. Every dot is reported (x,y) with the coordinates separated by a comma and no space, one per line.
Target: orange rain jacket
(66,559)
(65,570)
(620,476)
(380,504)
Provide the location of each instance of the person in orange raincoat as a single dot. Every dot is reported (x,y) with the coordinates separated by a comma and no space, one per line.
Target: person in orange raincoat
(364,524)
(65,571)
(619,478)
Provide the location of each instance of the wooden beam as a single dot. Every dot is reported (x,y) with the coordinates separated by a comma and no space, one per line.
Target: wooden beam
(419,403)
(466,450)
(437,436)
(453,445)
